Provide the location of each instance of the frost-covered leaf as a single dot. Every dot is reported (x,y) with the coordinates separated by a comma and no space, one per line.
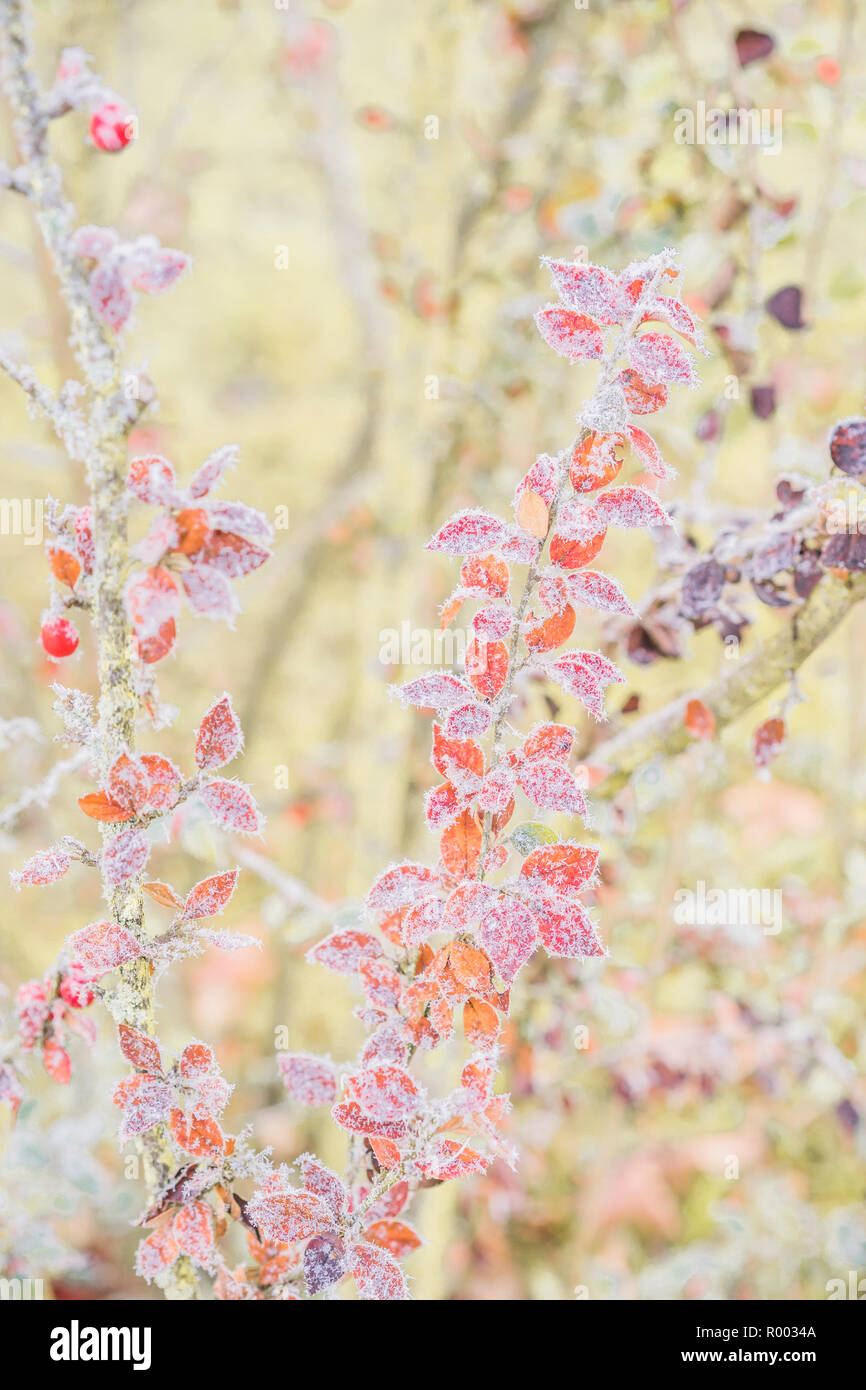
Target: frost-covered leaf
(110,295)
(196,1061)
(564,868)
(422,919)
(468,721)
(211,896)
(630,507)
(343,951)
(100,806)
(125,856)
(446,1160)
(641,398)
(156,1253)
(289,1215)
(648,453)
(398,886)
(437,690)
(193,1230)
(480,1024)
(377,1274)
(768,741)
(674,313)
(597,590)
(325,1262)
(394,1236)
(219,737)
(309,1080)
(485,574)
(566,929)
(659,360)
(848,446)
(539,479)
(595,461)
(209,593)
(550,785)
(197,1134)
(145,1101)
(138,1049)
(205,479)
(549,741)
(571,334)
(40,869)
(385,1092)
(468,533)
(325,1183)
(487,667)
(590,289)
(151,479)
(102,946)
(230,554)
(152,600)
(578,537)
(350,1116)
(508,932)
(460,846)
(232,806)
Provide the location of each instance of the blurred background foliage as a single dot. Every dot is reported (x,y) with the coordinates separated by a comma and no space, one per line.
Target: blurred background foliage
(366,189)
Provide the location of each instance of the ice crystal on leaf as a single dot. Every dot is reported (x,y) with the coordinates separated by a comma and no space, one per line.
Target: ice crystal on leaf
(102,946)
(42,868)
(309,1080)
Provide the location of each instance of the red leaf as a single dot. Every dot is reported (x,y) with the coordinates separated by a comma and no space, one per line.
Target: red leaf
(566,929)
(550,785)
(196,1061)
(572,335)
(210,593)
(487,667)
(485,574)
(42,868)
(343,951)
(138,1049)
(57,1062)
(193,1230)
(125,856)
(232,806)
(152,479)
(597,590)
(508,933)
(309,1080)
(659,360)
(210,896)
(163,781)
(102,946)
(630,507)
(768,741)
(468,533)
(197,1134)
(562,868)
(350,1116)
(590,289)
(437,690)
(156,1253)
(128,782)
(219,737)
(595,461)
(385,1093)
(399,886)
(377,1274)
(232,555)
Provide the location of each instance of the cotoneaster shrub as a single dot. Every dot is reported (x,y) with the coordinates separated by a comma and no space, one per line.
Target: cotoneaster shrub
(440,945)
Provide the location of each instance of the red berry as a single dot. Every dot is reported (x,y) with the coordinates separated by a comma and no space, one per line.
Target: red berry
(75,992)
(111,127)
(59,637)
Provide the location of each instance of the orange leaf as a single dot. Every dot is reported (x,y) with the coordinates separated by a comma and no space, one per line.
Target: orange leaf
(487,667)
(394,1236)
(470,967)
(532,514)
(163,894)
(100,806)
(461,846)
(64,567)
(552,632)
(480,1023)
(700,721)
